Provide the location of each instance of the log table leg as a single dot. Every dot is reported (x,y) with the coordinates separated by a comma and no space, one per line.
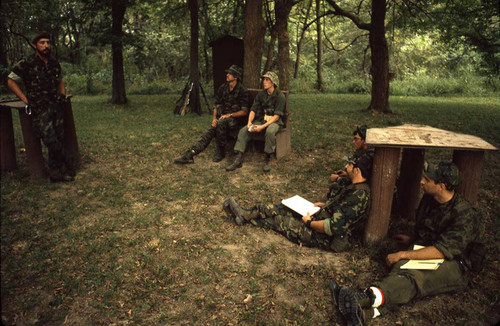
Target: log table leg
(470,164)
(385,170)
(34,154)
(7,145)
(412,164)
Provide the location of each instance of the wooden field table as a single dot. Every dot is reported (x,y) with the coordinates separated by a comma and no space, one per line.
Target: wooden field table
(36,162)
(413,140)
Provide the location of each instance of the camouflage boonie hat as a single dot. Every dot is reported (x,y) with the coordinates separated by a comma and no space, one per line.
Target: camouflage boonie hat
(364,163)
(272,76)
(445,172)
(40,35)
(235,70)
(361,130)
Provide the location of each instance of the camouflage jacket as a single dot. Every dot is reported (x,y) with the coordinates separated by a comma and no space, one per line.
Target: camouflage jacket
(227,101)
(344,213)
(40,81)
(450,227)
(265,104)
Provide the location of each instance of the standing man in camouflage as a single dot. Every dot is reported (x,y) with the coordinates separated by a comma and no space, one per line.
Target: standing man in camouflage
(447,226)
(45,99)
(264,121)
(230,110)
(340,220)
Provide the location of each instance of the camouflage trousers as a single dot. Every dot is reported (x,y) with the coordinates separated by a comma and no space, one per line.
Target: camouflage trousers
(221,133)
(268,135)
(402,285)
(48,125)
(279,218)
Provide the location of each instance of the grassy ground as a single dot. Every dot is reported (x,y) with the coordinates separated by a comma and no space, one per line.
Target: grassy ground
(139,240)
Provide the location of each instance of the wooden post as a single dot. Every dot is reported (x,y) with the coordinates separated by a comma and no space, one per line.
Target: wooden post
(70,140)
(412,164)
(7,145)
(385,170)
(34,154)
(470,164)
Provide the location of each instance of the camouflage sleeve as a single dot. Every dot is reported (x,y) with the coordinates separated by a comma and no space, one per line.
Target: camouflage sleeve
(19,71)
(347,213)
(219,96)
(455,239)
(279,108)
(243,99)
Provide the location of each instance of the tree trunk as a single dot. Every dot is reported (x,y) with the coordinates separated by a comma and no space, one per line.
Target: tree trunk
(282,11)
(301,40)
(118,8)
(255,28)
(270,50)
(379,58)
(194,75)
(319,46)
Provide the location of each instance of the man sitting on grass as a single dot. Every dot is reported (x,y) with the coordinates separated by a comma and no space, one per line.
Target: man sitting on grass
(447,226)
(339,220)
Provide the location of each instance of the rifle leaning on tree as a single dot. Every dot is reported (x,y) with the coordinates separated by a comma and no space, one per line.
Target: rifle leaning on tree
(186,100)
(183,100)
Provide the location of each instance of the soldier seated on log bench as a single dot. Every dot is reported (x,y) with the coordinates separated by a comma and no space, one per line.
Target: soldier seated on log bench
(265,120)
(230,110)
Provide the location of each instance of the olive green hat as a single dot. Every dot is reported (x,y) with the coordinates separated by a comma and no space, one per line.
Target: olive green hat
(444,172)
(361,130)
(364,163)
(272,76)
(40,35)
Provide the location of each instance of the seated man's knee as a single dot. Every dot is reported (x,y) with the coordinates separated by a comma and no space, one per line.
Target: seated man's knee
(272,129)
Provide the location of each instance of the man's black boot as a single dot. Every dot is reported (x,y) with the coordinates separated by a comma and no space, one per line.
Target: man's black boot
(186,158)
(351,306)
(220,153)
(237,162)
(267,167)
(241,215)
(335,288)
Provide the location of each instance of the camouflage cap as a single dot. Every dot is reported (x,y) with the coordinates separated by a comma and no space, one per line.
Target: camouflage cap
(40,35)
(272,76)
(361,130)
(444,172)
(364,163)
(235,70)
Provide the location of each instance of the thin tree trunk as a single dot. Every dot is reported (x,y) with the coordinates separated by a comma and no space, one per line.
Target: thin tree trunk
(118,8)
(379,59)
(271,50)
(194,75)
(319,46)
(282,11)
(301,40)
(255,28)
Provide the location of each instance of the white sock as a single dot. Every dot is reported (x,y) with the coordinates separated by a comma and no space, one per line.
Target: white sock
(376,313)
(379,297)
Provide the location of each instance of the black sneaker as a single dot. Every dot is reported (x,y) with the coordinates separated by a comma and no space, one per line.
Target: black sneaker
(186,158)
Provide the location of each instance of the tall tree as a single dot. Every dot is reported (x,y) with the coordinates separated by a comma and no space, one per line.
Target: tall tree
(319,48)
(300,39)
(282,10)
(118,8)
(255,27)
(194,71)
(379,51)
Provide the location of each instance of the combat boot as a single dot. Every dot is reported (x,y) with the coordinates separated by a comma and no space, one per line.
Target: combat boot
(267,167)
(335,288)
(220,153)
(186,158)
(241,215)
(237,162)
(356,307)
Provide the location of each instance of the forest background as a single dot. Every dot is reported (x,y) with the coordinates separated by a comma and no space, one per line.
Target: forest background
(435,47)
